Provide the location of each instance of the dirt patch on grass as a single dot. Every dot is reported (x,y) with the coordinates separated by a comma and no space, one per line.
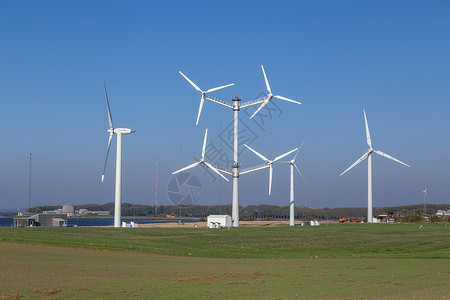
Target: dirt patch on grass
(258,273)
(104,293)
(399,283)
(229,275)
(10,297)
(235,282)
(385,281)
(370,267)
(195,278)
(46,292)
(256,281)
(82,290)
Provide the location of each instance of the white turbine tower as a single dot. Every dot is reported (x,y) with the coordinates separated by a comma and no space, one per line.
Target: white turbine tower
(291,200)
(270,163)
(368,155)
(202,162)
(236,107)
(425,201)
(119,132)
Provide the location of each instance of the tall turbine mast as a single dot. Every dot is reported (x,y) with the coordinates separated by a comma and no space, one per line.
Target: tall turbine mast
(291,189)
(118,191)
(236,107)
(425,201)
(368,155)
(29,185)
(156,189)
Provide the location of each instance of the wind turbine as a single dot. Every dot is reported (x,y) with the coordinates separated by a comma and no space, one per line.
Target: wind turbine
(270,95)
(270,163)
(236,107)
(202,161)
(119,132)
(202,100)
(425,201)
(368,155)
(291,202)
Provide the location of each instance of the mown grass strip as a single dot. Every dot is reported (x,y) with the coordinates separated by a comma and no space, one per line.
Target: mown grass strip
(325,241)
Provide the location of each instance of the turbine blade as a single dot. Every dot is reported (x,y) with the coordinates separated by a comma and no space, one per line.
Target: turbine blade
(357,162)
(215,170)
(300,173)
(204,144)
(193,84)
(261,106)
(109,110)
(390,157)
(200,108)
(219,88)
(286,99)
(270,179)
(107,153)
(186,168)
(257,153)
(299,150)
(265,78)
(369,141)
(283,155)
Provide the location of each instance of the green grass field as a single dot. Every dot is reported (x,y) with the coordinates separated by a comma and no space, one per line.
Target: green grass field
(337,261)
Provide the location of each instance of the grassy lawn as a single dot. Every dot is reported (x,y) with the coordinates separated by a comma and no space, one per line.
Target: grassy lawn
(338,261)
(325,241)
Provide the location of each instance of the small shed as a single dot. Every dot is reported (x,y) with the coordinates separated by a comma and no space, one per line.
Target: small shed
(59,222)
(24,222)
(218,221)
(47,220)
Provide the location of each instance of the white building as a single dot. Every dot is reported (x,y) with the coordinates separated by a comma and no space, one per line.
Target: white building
(218,221)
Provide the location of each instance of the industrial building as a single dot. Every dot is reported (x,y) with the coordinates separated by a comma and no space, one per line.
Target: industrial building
(47,220)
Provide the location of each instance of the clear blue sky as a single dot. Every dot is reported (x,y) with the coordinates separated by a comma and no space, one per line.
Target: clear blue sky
(337,57)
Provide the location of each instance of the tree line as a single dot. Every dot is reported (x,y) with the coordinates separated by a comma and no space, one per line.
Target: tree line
(251,211)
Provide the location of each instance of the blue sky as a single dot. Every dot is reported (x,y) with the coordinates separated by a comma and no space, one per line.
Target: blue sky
(336,57)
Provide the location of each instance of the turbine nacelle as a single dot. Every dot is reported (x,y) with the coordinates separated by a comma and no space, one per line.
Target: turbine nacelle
(203,93)
(269,162)
(112,131)
(369,151)
(270,95)
(202,161)
(121,131)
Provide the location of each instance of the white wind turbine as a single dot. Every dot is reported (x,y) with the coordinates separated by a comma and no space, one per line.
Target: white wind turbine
(270,95)
(202,161)
(425,201)
(270,163)
(202,100)
(236,107)
(368,155)
(119,132)
(291,200)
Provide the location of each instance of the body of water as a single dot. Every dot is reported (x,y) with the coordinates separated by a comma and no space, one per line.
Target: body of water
(8,222)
